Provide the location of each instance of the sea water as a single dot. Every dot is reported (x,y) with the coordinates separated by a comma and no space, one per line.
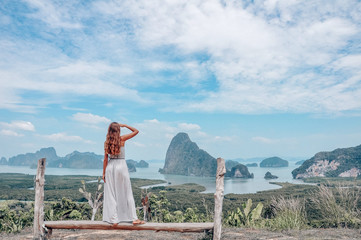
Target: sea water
(231,185)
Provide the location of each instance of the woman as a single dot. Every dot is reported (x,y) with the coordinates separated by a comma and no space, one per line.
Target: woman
(118,203)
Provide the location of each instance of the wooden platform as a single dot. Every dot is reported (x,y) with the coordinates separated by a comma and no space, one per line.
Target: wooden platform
(170,227)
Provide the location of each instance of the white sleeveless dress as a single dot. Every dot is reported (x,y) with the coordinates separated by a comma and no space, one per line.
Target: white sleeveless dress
(118,204)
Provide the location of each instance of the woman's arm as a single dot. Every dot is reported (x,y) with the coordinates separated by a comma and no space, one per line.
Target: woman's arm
(130,135)
(105,163)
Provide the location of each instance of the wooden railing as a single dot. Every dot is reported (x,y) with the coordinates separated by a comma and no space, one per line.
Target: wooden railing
(43,230)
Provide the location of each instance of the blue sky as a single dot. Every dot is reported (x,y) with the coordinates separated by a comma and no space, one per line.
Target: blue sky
(243,78)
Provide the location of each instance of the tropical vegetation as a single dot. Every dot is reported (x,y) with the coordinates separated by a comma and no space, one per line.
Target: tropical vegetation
(292,207)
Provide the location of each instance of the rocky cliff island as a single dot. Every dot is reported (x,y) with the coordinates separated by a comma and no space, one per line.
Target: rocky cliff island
(274,162)
(133,165)
(342,162)
(3,161)
(239,171)
(185,158)
(269,175)
(230,164)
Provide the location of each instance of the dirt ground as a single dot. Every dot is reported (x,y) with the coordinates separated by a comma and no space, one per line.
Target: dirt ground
(227,234)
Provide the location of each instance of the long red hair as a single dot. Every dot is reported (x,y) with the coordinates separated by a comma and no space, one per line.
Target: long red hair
(112,141)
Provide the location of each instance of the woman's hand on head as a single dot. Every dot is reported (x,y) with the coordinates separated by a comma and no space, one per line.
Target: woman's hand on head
(121,125)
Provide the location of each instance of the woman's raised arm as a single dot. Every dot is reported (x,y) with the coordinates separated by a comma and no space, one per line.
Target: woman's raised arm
(129,135)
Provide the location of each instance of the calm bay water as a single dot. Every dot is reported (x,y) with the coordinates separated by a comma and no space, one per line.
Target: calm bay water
(231,185)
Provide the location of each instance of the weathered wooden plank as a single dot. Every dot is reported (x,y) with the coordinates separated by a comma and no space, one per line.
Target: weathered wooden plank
(170,227)
(218,198)
(39,200)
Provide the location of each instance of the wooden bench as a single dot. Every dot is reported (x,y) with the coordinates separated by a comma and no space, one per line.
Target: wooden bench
(43,229)
(99,225)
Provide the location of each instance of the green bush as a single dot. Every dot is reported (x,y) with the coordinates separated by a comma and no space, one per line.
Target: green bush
(160,211)
(67,209)
(14,216)
(244,217)
(75,214)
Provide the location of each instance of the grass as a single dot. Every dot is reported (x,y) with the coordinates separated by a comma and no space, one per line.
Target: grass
(289,214)
(338,206)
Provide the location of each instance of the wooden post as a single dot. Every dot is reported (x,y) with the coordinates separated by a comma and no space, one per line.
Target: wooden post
(39,200)
(218,198)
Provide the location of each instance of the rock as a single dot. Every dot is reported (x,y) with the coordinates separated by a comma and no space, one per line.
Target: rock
(142,164)
(86,160)
(300,162)
(3,161)
(131,165)
(269,175)
(239,171)
(353,172)
(29,159)
(185,158)
(135,164)
(274,162)
(252,165)
(342,162)
(131,161)
(230,164)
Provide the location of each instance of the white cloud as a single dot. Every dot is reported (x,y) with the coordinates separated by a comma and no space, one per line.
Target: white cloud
(37,65)
(189,126)
(14,127)
(155,121)
(19,125)
(89,118)
(223,138)
(349,62)
(264,140)
(82,68)
(243,57)
(63,137)
(55,16)
(256,50)
(7,132)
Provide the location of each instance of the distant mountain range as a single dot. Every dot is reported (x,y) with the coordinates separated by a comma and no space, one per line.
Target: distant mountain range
(342,162)
(267,162)
(251,164)
(76,159)
(259,159)
(29,159)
